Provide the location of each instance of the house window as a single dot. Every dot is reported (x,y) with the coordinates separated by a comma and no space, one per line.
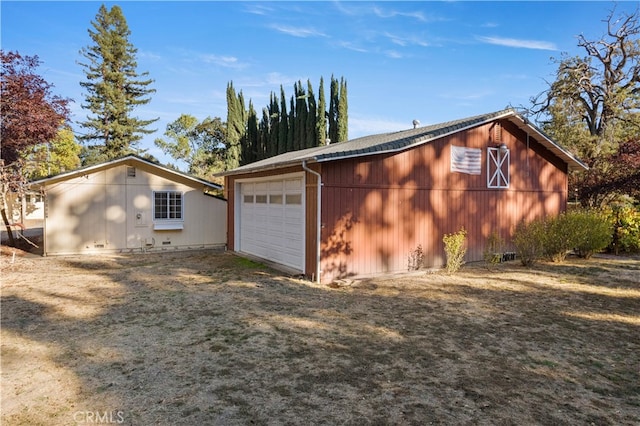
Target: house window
(498,167)
(131,172)
(167,205)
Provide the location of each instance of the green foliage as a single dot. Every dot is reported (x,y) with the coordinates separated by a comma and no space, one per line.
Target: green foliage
(337,115)
(321,119)
(61,155)
(455,250)
(114,87)
(492,253)
(592,109)
(583,231)
(558,237)
(201,145)
(236,127)
(528,239)
(626,228)
(591,232)
(299,123)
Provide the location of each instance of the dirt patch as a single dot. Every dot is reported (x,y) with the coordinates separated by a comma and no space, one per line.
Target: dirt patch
(209,338)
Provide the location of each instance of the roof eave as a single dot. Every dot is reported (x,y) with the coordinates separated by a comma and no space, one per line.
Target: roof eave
(108,164)
(573,163)
(274,166)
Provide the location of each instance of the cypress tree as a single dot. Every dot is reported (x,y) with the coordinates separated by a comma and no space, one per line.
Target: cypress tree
(274,125)
(334,93)
(300,141)
(343,116)
(264,135)
(114,87)
(292,127)
(250,139)
(235,127)
(311,135)
(321,116)
(283,131)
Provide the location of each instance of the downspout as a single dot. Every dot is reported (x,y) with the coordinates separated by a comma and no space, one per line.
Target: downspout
(318,216)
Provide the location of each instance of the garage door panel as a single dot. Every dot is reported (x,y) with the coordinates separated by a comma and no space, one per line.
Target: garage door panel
(272,221)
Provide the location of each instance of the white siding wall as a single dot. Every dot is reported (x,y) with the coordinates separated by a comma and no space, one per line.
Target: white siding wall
(109,211)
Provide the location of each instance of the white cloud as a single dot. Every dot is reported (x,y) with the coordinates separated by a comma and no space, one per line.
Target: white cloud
(223,61)
(393,54)
(519,43)
(302,32)
(406,41)
(148,55)
(382,13)
(259,9)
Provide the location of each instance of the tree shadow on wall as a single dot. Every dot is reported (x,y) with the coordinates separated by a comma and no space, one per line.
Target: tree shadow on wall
(338,248)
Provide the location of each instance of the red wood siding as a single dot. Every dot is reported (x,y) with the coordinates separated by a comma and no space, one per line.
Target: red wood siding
(376,210)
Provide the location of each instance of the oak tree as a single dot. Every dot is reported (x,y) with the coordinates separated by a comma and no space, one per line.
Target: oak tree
(593,105)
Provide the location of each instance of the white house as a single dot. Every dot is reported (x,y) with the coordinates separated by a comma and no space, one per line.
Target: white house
(127,205)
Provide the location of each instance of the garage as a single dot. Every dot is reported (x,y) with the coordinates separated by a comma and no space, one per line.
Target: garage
(271,220)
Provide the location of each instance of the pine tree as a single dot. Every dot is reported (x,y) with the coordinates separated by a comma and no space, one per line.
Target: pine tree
(114,87)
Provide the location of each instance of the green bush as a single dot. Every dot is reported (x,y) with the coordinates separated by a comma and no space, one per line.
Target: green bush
(626,229)
(558,237)
(591,232)
(585,232)
(455,250)
(493,249)
(528,240)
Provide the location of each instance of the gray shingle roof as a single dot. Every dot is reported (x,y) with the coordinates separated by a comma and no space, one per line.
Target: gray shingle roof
(399,141)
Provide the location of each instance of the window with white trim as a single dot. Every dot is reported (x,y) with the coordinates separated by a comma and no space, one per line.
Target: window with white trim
(167,205)
(498,167)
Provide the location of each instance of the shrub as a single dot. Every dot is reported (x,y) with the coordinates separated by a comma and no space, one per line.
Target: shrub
(493,249)
(455,250)
(415,259)
(528,240)
(558,237)
(591,232)
(626,228)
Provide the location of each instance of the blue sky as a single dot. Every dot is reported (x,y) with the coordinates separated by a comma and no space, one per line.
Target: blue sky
(430,61)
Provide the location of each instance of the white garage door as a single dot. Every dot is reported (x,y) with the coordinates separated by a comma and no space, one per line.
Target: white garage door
(271,222)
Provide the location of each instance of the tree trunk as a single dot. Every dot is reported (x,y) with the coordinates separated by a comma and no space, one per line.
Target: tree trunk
(5,219)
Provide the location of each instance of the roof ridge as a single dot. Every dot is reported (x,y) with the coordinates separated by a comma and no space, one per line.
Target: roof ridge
(388,142)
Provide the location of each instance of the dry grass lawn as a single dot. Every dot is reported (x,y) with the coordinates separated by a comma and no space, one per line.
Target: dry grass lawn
(205,337)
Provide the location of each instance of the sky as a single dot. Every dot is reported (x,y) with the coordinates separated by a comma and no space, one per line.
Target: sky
(403,61)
